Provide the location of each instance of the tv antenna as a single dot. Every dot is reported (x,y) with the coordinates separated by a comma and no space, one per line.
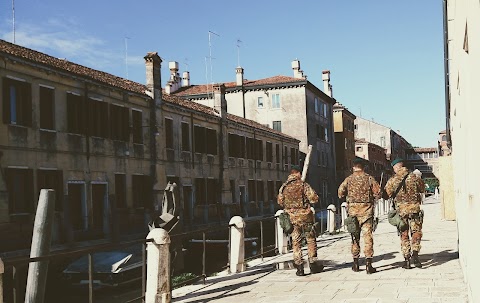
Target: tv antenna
(238,51)
(126,55)
(13,19)
(210,33)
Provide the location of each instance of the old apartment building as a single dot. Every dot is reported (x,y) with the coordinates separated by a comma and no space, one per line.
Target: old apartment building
(108,146)
(462,69)
(383,136)
(376,157)
(425,159)
(343,126)
(292,105)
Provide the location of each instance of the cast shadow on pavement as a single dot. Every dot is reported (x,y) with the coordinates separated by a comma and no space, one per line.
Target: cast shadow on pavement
(226,291)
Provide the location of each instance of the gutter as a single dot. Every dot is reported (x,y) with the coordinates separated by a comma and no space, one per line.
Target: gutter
(446,73)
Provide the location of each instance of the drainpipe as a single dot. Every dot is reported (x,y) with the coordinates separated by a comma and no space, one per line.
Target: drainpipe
(447,72)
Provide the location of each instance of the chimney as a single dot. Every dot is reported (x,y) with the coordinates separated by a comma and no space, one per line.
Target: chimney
(153,64)
(174,81)
(219,102)
(186,79)
(239,74)
(327,87)
(297,72)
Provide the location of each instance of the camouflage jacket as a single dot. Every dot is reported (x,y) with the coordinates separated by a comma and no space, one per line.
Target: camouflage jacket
(295,197)
(361,191)
(409,197)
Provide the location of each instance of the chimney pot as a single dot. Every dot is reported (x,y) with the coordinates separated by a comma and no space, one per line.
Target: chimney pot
(239,76)
(297,72)
(173,65)
(327,87)
(186,79)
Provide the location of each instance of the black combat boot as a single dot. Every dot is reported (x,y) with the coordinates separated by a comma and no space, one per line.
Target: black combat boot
(369,268)
(416,260)
(406,263)
(355,266)
(316,267)
(300,271)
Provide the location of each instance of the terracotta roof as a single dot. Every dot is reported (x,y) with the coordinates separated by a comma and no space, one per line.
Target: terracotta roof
(210,111)
(254,124)
(77,69)
(202,89)
(425,149)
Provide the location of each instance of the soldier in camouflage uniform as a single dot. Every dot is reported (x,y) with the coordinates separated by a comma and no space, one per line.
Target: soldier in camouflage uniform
(295,197)
(361,191)
(407,204)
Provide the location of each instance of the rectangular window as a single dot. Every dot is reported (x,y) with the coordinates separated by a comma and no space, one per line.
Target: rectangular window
(259,150)
(212,191)
(76,114)
(20,190)
(277,153)
(232,190)
(168,133)
(278,184)
(260,102)
(269,151)
(199,135)
(325,108)
(120,190)
(200,191)
(250,148)
(17,102)
(382,141)
(97,118)
(275,100)
(211,141)
(293,156)
(319,158)
(51,179)
(77,205)
(137,127)
(285,155)
(47,108)
(325,137)
(277,125)
(346,143)
(119,123)
(142,191)
(260,191)
(252,191)
(316,106)
(185,136)
(359,148)
(270,191)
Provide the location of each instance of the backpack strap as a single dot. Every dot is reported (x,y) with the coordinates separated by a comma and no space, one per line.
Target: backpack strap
(402,184)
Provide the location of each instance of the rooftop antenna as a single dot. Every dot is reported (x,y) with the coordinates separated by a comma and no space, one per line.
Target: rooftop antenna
(186,64)
(126,55)
(210,33)
(238,51)
(13,19)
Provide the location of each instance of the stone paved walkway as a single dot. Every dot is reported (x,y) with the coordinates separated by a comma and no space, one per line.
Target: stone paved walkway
(440,280)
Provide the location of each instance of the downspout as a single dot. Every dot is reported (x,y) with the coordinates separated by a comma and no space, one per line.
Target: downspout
(447,72)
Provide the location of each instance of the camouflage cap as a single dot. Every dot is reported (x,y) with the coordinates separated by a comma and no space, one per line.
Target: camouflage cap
(297,168)
(396,161)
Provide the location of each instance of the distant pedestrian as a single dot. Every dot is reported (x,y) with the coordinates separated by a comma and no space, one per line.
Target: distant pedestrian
(407,201)
(436,192)
(361,191)
(295,196)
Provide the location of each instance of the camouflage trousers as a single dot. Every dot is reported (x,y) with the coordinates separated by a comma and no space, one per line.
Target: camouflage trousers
(298,235)
(415,230)
(367,231)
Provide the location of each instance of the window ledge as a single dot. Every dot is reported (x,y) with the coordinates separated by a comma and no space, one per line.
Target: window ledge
(136,143)
(18,125)
(48,130)
(74,134)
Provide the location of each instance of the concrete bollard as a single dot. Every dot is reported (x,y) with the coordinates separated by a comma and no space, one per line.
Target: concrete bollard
(281,239)
(237,244)
(344,215)
(331,218)
(158,267)
(2,271)
(41,242)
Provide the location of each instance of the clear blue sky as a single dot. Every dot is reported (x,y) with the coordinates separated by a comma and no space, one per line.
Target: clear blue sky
(386,57)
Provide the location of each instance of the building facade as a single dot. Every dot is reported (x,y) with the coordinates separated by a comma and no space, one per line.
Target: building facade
(423,159)
(394,144)
(462,68)
(376,157)
(291,105)
(343,127)
(108,146)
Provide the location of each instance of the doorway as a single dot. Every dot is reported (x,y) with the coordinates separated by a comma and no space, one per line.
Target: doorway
(100,208)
